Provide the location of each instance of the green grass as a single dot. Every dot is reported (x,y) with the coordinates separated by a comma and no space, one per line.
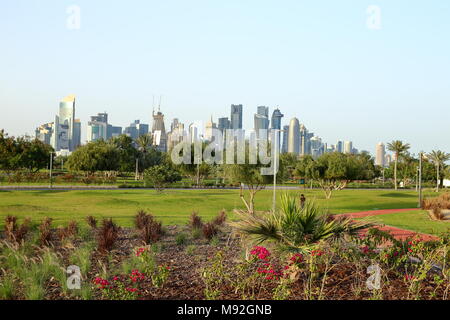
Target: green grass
(175,206)
(417,221)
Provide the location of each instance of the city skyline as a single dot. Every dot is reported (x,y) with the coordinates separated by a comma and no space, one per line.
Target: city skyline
(325,67)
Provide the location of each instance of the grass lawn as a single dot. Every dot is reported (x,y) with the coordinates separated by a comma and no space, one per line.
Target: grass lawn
(413,220)
(175,206)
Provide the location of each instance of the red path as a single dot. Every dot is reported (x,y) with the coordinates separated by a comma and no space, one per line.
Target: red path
(399,234)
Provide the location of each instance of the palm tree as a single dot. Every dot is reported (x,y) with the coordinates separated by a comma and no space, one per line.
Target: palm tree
(144,143)
(439,158)
(399,148)
(294,227)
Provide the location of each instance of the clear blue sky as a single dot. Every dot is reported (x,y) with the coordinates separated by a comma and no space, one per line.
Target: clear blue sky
(316,60)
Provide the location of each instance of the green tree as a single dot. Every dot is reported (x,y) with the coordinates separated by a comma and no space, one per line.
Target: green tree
(159,176)
(10,157)
(289,161)
(439,158)
(196,172)
(148,155)
(34,155)
(127,153)
(333,171)
(94,156)
(399,148)
(249,176)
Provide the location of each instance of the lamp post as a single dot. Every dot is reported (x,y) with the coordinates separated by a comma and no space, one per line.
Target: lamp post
(275,169)
(198,162)
(420,179)
(51,168)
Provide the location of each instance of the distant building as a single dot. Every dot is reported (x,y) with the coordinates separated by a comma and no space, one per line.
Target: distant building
(44,132)
(223,124)
(236,116)
(65,137)
(348,147)
(380,155)
(136,129)
(261,121)
(276,119)
(340,146)
(294,136)
(159,131)
(284,145)
(209,127)
(388,160)
(305,141)
(97,128)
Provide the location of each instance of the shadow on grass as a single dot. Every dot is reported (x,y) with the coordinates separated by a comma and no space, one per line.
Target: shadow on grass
(398,195)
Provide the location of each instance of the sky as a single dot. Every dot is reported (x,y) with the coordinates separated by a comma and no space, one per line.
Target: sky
(332,64)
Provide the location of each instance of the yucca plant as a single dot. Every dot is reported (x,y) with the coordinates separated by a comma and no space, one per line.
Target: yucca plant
(294,227)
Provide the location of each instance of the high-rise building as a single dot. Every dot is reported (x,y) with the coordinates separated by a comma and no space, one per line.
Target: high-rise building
(305,140)
(380,156)
(76,134)
(136,129)
(174,124)
(114,131)
(64,129)
(340,146)
(317,147)
(284,146)
(64,135)
(176,135)
(261,121)
(276,119)
(223,124)
(209,127)
(388,160)
(348,147)
(97,128)
(44,132)
(236,116)
(159,131)
(294,136)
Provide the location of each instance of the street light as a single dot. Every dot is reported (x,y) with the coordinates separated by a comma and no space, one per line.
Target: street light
(420,179)
(51,167)
(198,162)
(274,203)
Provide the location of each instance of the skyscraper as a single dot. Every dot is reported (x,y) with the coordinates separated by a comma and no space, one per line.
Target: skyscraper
(276,119)
(209,126)
(64,129)
(98,127)
(262,120)
(236,116)
(348,147)
(223,124)
(284,146)
(136,129)
(44,132)
(305,140)
(294,136)
(159,131)
(380,157)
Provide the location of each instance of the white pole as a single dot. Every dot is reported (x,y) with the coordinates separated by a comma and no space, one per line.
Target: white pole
(51,167)
(275,172)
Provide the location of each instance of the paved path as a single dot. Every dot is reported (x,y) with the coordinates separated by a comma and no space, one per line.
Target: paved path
(400,234)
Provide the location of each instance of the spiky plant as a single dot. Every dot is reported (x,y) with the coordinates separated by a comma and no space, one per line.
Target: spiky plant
(294,227)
